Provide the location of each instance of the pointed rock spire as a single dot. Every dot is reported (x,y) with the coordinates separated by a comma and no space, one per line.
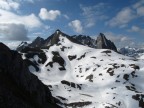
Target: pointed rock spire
(103,43)
(57,31)
(54,38)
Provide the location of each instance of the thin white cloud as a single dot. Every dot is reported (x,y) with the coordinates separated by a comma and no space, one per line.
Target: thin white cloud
(31,1)
(9,5)
(46,27)
(136,29)
(49,15)
(127,14)
(139,7)
(140,11)
(28,1)
(66,16)
(138,4)
(122,18)
(93,14)
(119,39)
(76,26)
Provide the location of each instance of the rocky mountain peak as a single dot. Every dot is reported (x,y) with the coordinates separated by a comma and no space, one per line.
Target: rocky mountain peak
(57,31)
(37,42)
(39,38)
(101,34)
(22,45)
(102,38)
(53,39)
(103,43)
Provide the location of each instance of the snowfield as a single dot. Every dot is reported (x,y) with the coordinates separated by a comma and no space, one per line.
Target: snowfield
(141,57)
(83,77)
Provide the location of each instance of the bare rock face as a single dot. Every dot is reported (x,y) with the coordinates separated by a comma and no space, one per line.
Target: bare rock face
(37,42)
(18,87)
(103,43)
(22,45)
(85,40)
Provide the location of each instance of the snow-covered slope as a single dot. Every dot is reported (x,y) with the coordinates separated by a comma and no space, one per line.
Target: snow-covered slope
(141,56)
(83,77)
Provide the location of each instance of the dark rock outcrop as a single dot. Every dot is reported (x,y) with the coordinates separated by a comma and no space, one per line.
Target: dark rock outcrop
(85,40)
(18,87)
(103,43)
(22,45)
(54,38)
(37,42)
(72,84)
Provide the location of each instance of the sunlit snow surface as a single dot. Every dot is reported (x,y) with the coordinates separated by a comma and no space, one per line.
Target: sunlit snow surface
(98,78)
(141,56)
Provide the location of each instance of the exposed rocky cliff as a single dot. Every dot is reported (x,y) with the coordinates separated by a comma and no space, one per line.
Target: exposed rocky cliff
(37,42)
(85,40)
(18,87)
(103,43)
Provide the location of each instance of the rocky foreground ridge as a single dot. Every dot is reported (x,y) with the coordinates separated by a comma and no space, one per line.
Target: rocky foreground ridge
(18,87)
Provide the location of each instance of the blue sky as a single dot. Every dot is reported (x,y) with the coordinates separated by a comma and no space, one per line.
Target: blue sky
(122,21)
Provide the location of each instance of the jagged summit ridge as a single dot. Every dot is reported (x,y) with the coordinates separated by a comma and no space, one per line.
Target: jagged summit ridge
(101,42)
(50,41)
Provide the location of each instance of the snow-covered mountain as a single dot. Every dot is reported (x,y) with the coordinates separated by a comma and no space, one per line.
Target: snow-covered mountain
(83,77)
(132,52)
(100,43)
(44,43)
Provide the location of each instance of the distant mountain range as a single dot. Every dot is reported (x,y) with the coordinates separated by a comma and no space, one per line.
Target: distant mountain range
(132,52)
